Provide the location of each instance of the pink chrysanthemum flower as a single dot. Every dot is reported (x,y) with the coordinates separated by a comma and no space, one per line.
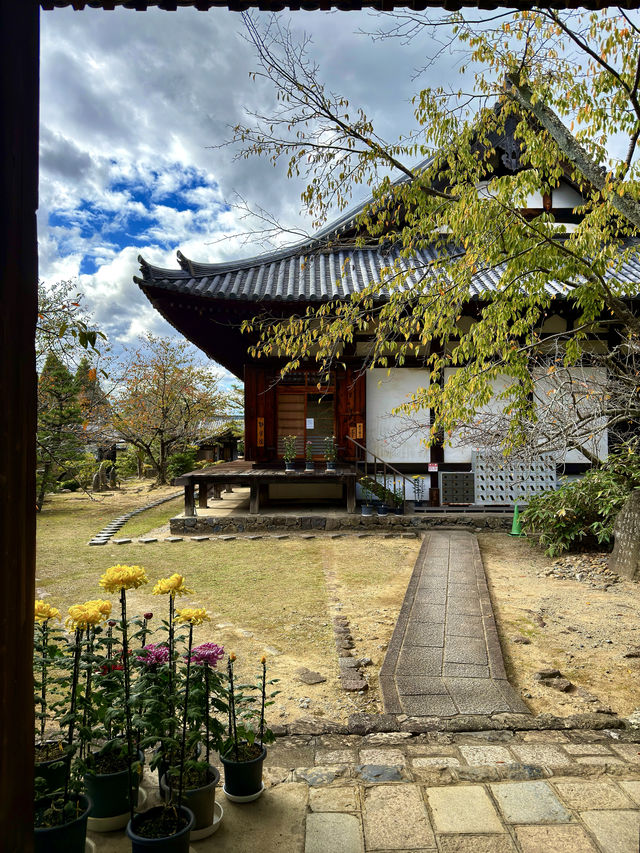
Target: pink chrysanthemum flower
(155,653)
(207,653)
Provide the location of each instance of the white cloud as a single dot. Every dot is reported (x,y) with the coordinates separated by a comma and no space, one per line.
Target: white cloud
(131,106)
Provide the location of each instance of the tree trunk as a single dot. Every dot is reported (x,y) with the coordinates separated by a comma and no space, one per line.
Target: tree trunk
(43,486)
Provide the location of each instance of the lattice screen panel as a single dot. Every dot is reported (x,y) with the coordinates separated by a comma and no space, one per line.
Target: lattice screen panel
(511,483)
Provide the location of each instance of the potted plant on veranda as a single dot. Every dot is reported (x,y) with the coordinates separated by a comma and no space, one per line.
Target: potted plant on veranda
(243,751)
(330,452)
(169,830)
(194,782)
(111,783)
(365,486)
(289,452)
(49,679)
(60,816)
(308,456)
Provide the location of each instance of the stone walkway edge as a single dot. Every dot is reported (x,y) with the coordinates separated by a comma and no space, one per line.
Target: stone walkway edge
(444,658)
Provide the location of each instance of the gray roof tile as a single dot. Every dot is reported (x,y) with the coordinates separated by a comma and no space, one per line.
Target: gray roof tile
(315,277)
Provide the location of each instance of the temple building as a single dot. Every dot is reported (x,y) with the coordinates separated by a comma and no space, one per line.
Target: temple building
(208,303)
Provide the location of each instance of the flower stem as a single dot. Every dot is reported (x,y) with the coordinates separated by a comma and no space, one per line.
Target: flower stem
(206,713)
(232,709)
(127,692)
(184,717)
(264,682)
(43,687)
(72,710)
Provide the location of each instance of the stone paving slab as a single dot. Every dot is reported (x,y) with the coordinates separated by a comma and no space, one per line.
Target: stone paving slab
(444,658)
(437,792)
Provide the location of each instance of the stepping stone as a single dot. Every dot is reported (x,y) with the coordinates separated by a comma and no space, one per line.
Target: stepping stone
(306,676)
(308,536)
(254,536)
(98,542)
(227,538)
(336,535)
(280,536)
(148,540)
(121,541)
(200,538)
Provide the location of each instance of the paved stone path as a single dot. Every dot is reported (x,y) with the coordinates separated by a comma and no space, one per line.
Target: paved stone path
(107,532)
(489,792)
(444,657)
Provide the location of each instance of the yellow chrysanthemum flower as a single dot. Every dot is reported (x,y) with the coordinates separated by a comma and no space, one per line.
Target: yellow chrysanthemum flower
(84,615)
(192,616)
(123,577)
(100,604)
(171,586)
(43,611)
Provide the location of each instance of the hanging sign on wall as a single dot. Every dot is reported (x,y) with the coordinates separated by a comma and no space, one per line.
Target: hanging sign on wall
(260,432)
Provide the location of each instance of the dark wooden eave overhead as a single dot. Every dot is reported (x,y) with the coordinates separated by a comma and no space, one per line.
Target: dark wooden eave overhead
(324,5)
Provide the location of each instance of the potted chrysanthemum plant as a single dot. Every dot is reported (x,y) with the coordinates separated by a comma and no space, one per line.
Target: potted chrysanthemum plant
(330,452)
(165,727)
(289,452)
(49,678)
(308,456)
(113,771)
(191,781)
(60,824)
(243,750)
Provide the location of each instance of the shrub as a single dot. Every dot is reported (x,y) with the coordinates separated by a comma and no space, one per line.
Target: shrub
(585,509)
(179,463)
(127,463)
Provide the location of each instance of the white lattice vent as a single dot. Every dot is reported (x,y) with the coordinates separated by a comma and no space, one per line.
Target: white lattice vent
(511,483)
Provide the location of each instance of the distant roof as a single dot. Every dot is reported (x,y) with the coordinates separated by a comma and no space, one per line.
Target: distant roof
(340,5)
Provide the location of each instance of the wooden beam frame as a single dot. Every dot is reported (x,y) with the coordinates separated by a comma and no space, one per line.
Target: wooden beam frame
(19,44)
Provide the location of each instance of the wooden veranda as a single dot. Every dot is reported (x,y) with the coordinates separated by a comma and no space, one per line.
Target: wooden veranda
(258,478)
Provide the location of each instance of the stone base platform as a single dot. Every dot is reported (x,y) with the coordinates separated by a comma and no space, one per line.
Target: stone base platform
(246,523)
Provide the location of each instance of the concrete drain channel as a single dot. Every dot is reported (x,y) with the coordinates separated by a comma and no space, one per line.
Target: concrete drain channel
(107,532)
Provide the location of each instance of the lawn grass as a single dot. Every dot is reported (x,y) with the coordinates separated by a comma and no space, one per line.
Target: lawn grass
(263,595)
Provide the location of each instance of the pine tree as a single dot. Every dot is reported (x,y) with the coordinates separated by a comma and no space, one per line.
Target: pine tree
(59,424)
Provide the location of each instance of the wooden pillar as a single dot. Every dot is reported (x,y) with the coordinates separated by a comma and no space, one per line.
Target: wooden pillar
(19,36)
(254,498)
(189,500)
(228,490)
(203,491)
(351,494)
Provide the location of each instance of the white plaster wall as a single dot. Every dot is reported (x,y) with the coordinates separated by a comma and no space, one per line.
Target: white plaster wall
(459,451)
(390,436)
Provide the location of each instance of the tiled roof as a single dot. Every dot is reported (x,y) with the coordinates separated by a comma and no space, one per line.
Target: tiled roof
(341,5)
(294,276)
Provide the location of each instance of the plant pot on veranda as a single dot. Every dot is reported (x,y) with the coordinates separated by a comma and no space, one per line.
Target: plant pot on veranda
(174,840)
(109,794)
(201,801)
(243,779)
(68,837)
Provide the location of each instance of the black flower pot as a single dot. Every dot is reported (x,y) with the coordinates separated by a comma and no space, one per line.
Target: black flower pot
(201,801)
(53,770)
(109,795)
(69,837)
(243,779)
(175,843)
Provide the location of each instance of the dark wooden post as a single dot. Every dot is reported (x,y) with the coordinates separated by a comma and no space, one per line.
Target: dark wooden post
(203,493)
(19,36)
(189,499)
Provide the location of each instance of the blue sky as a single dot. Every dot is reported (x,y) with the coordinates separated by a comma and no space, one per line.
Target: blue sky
(133,111)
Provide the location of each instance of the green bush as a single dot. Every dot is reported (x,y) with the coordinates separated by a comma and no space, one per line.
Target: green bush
(586,509)
(179,463)
(127,463)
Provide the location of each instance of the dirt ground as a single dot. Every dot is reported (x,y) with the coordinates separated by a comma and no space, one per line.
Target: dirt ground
(547,622)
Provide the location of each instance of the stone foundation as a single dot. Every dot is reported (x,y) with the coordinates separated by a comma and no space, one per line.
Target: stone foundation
(232,524)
